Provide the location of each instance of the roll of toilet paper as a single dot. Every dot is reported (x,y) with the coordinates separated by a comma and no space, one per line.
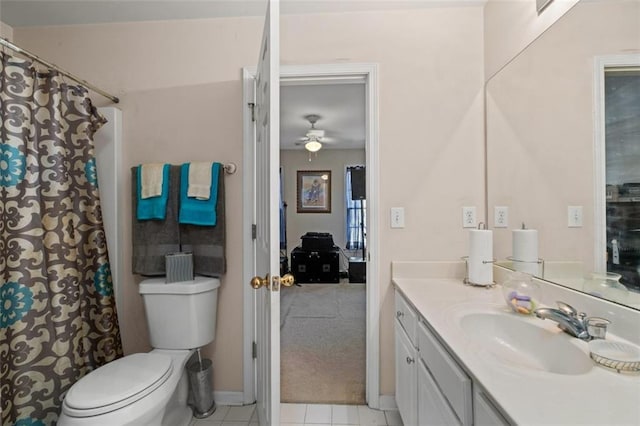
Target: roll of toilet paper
(525,250)
(480,256)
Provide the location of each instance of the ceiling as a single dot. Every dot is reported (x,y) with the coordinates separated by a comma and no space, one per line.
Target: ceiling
(341,108)
(25,13)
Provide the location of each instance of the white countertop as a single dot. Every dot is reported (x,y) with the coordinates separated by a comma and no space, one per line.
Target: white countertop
(598,397)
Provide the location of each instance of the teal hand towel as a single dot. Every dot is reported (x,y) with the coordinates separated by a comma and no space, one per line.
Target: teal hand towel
(192,210)
(153,208)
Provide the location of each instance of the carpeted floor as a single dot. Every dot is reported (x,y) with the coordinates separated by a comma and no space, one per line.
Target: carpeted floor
(323,343)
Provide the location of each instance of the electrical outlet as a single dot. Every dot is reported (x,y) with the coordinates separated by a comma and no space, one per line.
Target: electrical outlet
(469,217)
(397,217)
(574,219)
(501,217)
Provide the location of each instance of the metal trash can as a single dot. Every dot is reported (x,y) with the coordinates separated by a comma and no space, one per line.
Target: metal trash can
(200,372)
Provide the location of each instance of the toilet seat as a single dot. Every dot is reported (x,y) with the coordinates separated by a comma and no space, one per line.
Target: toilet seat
(118,384)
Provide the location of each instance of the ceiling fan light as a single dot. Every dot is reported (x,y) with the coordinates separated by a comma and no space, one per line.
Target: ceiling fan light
(313,146)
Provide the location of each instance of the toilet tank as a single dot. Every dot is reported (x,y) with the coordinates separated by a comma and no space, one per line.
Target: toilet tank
(181,315)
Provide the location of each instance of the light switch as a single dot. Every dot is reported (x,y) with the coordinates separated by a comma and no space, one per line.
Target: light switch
(397,217)
(574,219)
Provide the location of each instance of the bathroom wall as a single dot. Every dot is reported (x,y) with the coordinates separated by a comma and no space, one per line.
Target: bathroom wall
(335,160)
(509,26)
(530,149)
(181,100)
(6,31)
(180,91)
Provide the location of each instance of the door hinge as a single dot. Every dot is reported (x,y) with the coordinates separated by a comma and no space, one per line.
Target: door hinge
(254,350)
(254,231)
(253,112)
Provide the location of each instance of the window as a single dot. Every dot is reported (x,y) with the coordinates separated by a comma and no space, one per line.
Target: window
(283,215)
(356,215)
(622,156)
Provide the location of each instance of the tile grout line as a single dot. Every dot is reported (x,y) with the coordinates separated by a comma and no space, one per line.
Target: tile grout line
(236,421)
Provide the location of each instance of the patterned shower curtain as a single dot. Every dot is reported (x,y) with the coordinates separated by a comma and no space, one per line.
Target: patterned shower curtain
(57,310)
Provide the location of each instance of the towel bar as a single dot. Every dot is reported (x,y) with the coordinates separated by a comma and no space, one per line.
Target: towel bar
(230,168)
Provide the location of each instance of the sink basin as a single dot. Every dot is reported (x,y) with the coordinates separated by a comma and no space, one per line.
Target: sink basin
(522,344)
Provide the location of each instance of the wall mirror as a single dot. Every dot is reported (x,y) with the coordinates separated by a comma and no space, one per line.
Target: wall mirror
(544,161)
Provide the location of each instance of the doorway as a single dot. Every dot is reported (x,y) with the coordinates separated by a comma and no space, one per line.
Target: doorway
(323,236)
(322,74)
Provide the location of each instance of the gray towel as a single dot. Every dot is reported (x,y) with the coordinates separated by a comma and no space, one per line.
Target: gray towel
(207,243)
(153,239)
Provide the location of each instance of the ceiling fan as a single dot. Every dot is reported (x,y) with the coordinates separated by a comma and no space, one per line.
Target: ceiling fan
(314,138)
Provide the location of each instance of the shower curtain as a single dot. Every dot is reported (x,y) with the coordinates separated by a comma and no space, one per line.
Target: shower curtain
(57,309)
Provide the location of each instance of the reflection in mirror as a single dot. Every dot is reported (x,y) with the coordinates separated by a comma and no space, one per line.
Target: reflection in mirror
(622,171)
(543,162)
(541,4)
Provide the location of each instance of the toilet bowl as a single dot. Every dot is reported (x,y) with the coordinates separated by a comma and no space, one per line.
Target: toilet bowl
(134,390)
(150,388)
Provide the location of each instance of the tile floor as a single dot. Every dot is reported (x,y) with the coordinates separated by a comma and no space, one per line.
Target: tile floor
(304,414)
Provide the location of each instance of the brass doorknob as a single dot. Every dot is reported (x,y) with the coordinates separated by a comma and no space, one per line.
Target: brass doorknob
(258,282)
(287,280)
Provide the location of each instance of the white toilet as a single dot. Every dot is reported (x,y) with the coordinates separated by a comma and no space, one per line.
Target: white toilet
(150,388)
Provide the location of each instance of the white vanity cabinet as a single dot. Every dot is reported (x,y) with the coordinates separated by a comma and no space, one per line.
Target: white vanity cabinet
(460,380)
(452,382)
(484,412)
(433,408)
(406,356)
(431,388)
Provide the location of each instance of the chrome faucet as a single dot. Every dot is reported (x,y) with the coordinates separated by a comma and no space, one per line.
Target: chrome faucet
(568,320)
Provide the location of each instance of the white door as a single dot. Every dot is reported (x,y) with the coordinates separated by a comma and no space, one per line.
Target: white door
(361,73)
(267,281)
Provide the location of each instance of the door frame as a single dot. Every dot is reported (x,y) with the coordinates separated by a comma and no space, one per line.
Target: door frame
(601,63)
(316,74)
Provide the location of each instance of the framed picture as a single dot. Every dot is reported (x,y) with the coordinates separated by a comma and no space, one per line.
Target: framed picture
(314,191)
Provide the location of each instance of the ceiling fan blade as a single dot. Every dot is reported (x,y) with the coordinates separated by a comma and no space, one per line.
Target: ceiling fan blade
(317,133)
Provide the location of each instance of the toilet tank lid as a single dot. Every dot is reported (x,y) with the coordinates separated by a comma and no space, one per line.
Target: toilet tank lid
(119,383)
(159,286)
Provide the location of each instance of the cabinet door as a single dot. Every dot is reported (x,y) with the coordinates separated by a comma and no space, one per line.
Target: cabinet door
(407,317)
(484,413)
(450,377)
(433,408)
(406,378)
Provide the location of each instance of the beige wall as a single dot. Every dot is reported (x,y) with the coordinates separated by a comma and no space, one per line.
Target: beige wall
(541,130)
(180,90)
(510,25)
(334,160)
(431,153)
(6,31)
(181,100)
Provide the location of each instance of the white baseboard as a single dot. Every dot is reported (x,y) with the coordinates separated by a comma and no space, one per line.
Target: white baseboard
(228,398)
(388,403)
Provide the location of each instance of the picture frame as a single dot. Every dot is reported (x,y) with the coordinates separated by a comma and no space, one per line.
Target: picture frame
(314,191)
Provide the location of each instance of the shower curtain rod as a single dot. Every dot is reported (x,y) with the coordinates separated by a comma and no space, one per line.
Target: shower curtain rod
(85,83)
